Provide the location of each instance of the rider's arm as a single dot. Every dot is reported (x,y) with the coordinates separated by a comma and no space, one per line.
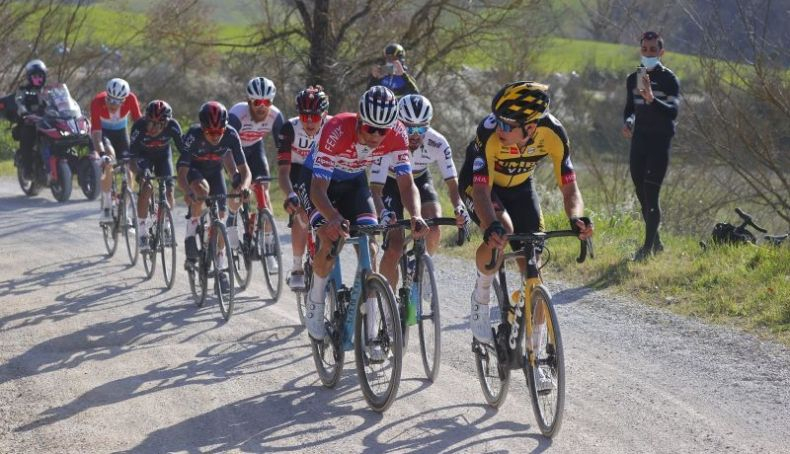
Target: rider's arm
(185,160)
(97,105)
(409,195)
(134,106)
(558,147)
(320,199)
(174,129)
(482,180)
(378,177)
(235,161)
(286,137)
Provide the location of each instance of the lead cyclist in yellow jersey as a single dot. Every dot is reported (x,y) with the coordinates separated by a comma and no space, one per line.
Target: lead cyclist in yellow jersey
(497,185)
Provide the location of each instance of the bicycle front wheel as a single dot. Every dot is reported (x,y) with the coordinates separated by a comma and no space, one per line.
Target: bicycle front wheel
(493,374)
(548,401)
(225,298)
(271,258)
(109,231)
(242,253)
(154,237)
(429,320)
(198,271)
(129,225)
(167,246)
(328,354)
(378,344)
(301,295)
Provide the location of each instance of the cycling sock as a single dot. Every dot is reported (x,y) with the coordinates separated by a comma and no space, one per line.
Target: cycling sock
(371,318)
(268,238)
(297,262)
(222,259)
(141,225)
(483,288)
(318,292)
(105,200)
(192,227)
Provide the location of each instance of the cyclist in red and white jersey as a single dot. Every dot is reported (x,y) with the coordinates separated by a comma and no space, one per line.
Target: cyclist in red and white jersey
(334,188)
(296,137)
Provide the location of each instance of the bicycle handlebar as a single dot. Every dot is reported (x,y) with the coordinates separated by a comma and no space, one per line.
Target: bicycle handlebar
(463,232)
(586,246)
(747,219)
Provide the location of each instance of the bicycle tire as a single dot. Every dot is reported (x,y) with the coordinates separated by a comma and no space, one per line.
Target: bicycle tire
(129,223)
(149,258)
(429,321)
(167,246)
(403,302)
(547,406)
(379,395)
(301,296)
(328,354)
(225,300)
(273,278)
(494,377)
(242,255)
(198,272)
(110,235)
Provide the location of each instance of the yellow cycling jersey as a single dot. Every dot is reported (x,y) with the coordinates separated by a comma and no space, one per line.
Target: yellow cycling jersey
(489,162)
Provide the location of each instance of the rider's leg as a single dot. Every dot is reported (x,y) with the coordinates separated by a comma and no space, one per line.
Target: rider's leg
(391,257)
(432,210)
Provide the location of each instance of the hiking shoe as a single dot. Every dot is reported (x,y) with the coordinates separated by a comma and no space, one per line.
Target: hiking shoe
(296,281)
(480,322)
(658,247)
(190,245)
(642,254)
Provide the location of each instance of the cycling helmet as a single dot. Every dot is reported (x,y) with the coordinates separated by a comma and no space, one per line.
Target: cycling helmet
(36,67)
(378,107)
(158,110)
(415,110)
(261,88)
(117,88)
(522,102)
(213,115)
(395,49)
(312,100)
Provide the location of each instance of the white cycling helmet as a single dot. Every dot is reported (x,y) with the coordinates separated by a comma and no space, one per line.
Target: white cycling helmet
(378,107)
(415,110)
(117,88)
(261,88)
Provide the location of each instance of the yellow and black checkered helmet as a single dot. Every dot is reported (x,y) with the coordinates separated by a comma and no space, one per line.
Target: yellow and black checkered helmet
(522,101)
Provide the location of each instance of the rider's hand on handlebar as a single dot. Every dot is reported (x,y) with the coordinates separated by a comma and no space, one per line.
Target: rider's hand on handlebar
(189,198)
(495,235)
(418,227)
(336,227)
(583,226)
(387,217)
(291,203)
(462,217)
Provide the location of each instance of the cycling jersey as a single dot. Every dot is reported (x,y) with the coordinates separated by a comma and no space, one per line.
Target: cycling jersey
(434,148)
(155,147)
(250,131)
(295,143)
(490,163)
(201,155)
(337,155)
(103,119)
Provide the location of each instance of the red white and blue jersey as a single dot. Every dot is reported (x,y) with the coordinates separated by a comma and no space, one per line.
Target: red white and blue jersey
(295,144)
(338,155)
(103,119)
(251,131)
(200,154)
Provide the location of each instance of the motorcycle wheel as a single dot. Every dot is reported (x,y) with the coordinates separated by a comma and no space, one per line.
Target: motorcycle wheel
(61,189)
(29,185)
(89,177)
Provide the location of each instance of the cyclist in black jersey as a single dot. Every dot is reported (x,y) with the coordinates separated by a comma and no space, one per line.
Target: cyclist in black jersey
(650,114)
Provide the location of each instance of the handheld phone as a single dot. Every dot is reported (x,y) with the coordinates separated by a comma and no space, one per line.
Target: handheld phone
(641,71)
(389,68)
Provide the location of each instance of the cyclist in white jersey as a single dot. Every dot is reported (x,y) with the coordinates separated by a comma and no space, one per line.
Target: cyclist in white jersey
(426,146)
(255,119)
(296,138)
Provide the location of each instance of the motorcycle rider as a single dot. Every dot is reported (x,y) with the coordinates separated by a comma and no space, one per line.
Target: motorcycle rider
(30,107)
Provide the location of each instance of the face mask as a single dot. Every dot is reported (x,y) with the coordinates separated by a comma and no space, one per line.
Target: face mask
(649,62)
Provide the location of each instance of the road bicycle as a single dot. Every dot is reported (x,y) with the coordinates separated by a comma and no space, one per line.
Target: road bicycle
(259,241)
(161,240)
(212,239)
(418,296)
(123,209)
(307,267)
(527,334)
(725,233)
(352,323)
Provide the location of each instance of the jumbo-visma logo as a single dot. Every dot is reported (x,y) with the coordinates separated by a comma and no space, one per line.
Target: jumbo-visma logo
(516,166)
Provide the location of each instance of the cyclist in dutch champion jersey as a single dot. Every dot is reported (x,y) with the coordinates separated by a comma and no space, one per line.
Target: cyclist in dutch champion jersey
(426,146)
(334,187)
(296,137)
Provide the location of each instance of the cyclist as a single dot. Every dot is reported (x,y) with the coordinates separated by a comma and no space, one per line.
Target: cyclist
(254,120)
(334,188)
(296,137)
(426,146)
(496,180)
(150,149)
(207,147)
(29,107)
(110,111)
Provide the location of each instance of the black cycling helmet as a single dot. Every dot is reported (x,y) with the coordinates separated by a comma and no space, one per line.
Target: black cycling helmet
(521,102)
(213,115)
(312,100)
(395,49)
(36,68)
(158,110)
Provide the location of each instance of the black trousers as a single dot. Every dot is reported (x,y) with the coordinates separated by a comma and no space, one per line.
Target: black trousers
(649,162)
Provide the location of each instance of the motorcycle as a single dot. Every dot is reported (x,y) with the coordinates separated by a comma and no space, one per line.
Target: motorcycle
(65,133)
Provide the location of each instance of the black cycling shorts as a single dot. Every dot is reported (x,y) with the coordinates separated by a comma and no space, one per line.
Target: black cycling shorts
(256,160)
(391,194)
(162,167)
(216,183)
(352,198)
(119,139)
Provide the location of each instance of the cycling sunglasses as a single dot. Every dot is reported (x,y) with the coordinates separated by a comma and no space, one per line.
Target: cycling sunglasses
(412,130)
(114,101)
(157,124)
(311,117)
(505,127)
(261,102)
(374,130)
(214,131)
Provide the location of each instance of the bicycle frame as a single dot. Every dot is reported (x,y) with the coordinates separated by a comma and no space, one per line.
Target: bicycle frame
(348,308)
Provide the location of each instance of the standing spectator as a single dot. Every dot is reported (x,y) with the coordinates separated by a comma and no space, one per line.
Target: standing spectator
(393,73)
(651,107)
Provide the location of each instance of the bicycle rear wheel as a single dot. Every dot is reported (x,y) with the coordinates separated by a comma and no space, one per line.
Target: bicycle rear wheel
(429,320)
(154,237)
(242,254)
(378,377)
(548,404)
(129,225)
(328,355)
(198,271)
(271,257)
(109,231)
(494,376)
(225,299)
(167,246)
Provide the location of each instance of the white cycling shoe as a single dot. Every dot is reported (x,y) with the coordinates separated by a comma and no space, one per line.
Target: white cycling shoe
(480,322)
(543,381)
(314,319)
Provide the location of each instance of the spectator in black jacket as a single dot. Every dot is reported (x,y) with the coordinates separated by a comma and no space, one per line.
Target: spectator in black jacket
(651,109)
(30,106)
(393,73)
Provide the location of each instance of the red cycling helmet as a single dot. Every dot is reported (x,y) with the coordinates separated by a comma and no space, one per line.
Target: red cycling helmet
(312,100)
(158,111)
(213,115)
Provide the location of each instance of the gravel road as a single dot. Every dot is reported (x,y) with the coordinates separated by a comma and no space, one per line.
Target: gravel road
(93,358)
